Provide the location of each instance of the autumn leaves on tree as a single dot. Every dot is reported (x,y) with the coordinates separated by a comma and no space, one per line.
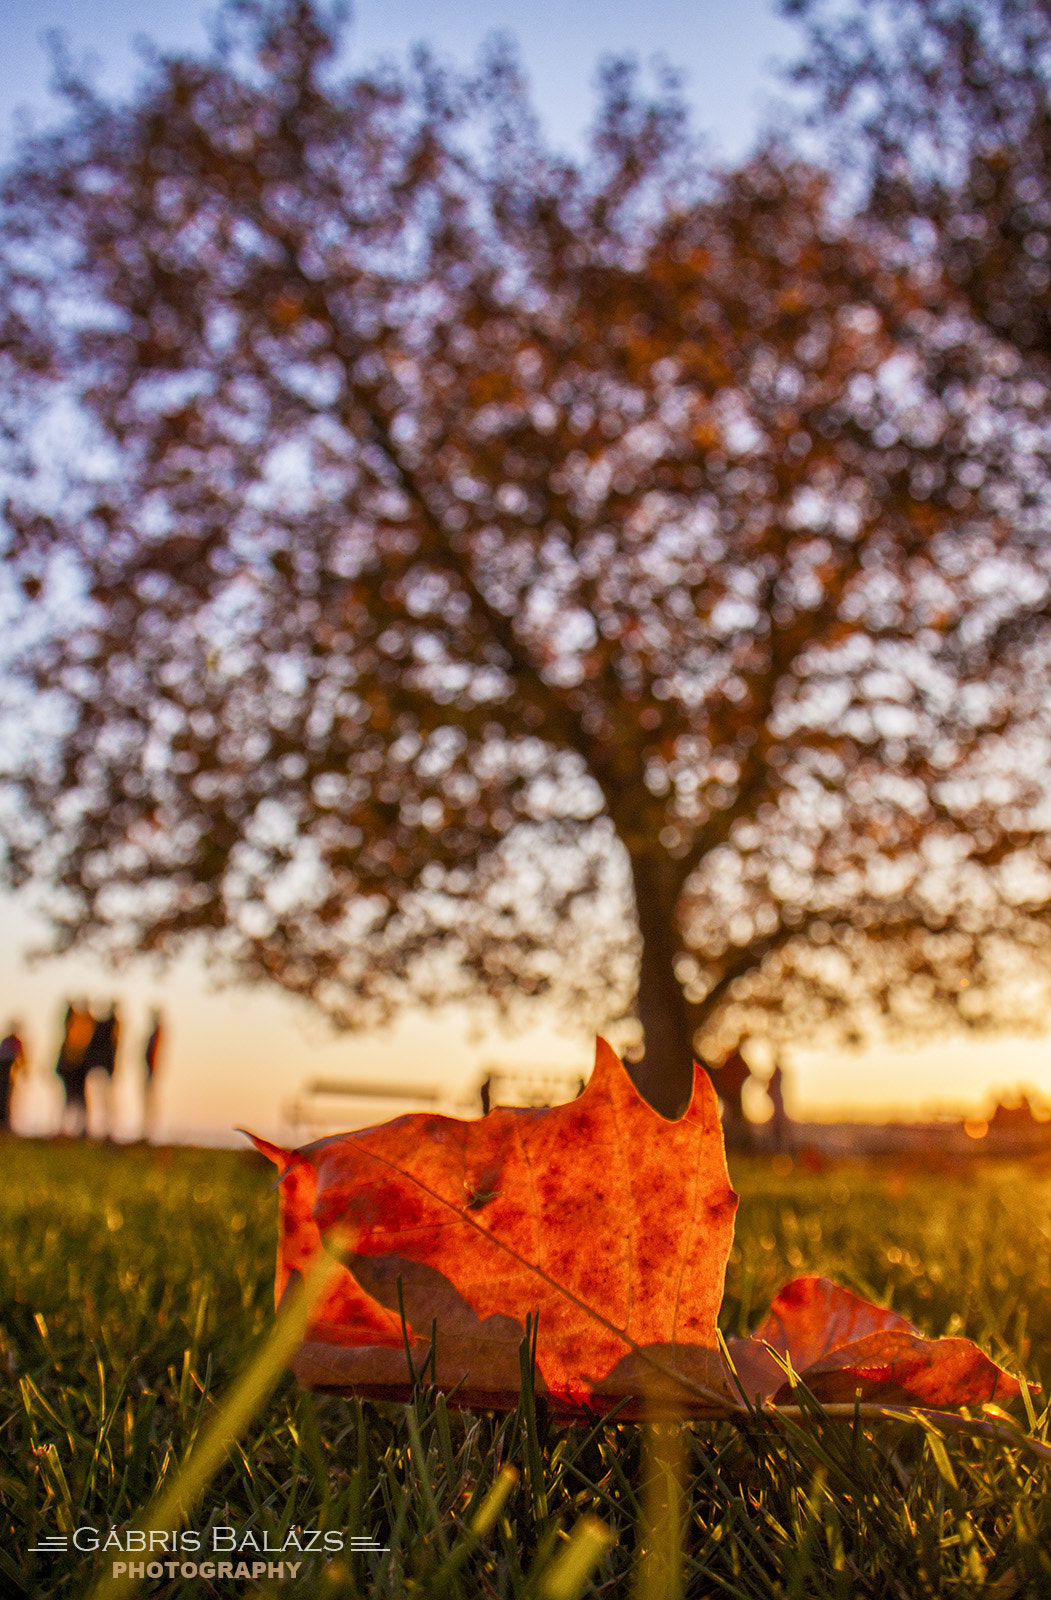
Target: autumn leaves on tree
(486,572)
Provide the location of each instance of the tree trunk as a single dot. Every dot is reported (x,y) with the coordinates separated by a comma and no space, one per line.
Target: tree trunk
(664,1076)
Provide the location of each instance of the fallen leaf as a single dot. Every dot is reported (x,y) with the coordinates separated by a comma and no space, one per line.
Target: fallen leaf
(607,1225)
(600,1218)
(841,1345)
(345,1314)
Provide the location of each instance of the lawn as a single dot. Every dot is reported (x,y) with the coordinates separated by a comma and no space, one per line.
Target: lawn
(135,1282)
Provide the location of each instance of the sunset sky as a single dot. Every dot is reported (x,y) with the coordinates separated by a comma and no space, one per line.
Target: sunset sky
(240,1056)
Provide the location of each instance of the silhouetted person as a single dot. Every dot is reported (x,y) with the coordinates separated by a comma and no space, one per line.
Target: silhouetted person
(12,1060)
(101,1057)
(485,1094)
(101,1052)
(730,1080)
(781,1124)
(150,1057)
(78,1030)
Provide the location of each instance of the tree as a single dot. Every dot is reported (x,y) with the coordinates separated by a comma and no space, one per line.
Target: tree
(942,109)
(939,112)
(494,572)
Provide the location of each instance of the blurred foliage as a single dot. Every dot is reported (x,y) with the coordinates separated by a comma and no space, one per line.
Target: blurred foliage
(453,568)
(943,110)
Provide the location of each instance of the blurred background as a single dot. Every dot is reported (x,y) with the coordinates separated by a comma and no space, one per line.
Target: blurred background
(938,449)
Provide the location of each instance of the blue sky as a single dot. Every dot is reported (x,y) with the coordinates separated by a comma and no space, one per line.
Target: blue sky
(725,48)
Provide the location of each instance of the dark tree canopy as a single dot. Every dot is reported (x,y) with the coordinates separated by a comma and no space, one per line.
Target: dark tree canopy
(482,571)
(943,110)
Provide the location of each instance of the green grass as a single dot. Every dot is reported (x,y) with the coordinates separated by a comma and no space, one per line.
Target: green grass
(134,1285)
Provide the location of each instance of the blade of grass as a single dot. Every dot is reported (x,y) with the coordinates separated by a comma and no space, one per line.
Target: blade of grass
(568,1574)
(174,1504)
(658,1573)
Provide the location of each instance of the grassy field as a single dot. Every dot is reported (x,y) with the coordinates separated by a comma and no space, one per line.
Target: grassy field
(134,1283)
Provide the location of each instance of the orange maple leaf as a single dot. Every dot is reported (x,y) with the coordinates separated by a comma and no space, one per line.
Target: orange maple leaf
(842,1346)
(608,1224)
(345,1314)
